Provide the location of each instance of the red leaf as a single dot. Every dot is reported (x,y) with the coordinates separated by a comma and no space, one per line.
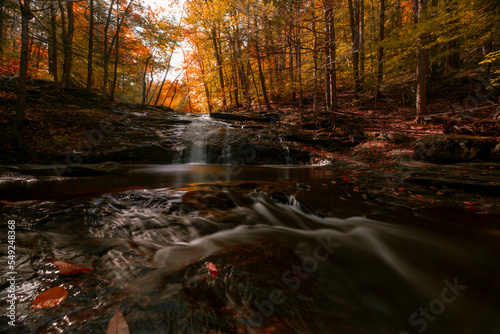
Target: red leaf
(49,298)
(117,324)
(212,269)
(401,189)
(69,269)
(470,204)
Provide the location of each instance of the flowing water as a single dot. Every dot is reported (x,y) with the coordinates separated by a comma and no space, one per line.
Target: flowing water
(291,255)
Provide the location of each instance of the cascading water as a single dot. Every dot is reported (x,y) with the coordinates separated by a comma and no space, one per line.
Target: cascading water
(206,141)
(281,267)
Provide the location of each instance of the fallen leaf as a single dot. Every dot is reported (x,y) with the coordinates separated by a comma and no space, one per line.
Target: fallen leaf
(356,189)
(470,203)
(364,196)
(401,189)
(69,269)
(334,182)
(439,193)
(117,324)
(212,269)
(50,298)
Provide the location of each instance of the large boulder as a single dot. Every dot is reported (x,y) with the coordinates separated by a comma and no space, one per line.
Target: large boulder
(495,153)
(441,148)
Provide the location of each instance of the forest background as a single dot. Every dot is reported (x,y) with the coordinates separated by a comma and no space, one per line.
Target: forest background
(251,54)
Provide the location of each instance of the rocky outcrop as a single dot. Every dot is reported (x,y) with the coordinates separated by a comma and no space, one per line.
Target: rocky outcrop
(441,148)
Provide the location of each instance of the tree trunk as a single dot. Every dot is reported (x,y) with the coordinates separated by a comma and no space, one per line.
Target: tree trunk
(1,29)
(68,29)
(205,85)
(144,81)
(419,7)
(315,58)
(381,36)
(53,53)
(90,54)
(330,70)
(354,25)
(218,58)
(23,65)
(106,53)
(361,42)
(115,72)
(261,76)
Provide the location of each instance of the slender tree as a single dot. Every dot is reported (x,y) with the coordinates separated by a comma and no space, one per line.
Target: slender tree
(27,15)
(419,7)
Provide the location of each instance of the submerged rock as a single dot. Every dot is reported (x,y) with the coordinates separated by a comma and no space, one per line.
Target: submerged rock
(107,168)
(441,148)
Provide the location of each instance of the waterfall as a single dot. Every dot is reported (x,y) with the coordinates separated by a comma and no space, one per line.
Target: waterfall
(206,141)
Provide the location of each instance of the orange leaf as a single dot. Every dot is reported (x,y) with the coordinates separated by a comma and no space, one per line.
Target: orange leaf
(49,298)
(212,269)
(117,324)
(69,269)
(401,189)
(439,193)
(364,196)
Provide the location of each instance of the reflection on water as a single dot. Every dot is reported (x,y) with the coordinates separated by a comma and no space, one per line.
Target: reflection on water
(283,267)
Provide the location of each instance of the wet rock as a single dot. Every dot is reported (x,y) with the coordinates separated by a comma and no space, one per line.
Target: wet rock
(107,168)
(150,152)
(8,170)
(396,138)
(267,118)
(495,153)
(441,148)
(467,177)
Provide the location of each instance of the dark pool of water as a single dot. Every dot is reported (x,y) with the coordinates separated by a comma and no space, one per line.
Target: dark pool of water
(292,257)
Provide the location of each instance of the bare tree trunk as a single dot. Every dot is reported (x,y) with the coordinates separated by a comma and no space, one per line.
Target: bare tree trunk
(23,65)
(106,52)
(261,76)
(381,36)
(330,70)
(205,85)
(315,58)
(115,72)
(218,58)
(1,29)
(354,24)
(419,7)
(175,92)
(361,36)
(90,54)
(53,54)
(68,29)
(144,81)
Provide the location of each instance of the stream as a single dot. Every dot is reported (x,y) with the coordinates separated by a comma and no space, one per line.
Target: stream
(294,254)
